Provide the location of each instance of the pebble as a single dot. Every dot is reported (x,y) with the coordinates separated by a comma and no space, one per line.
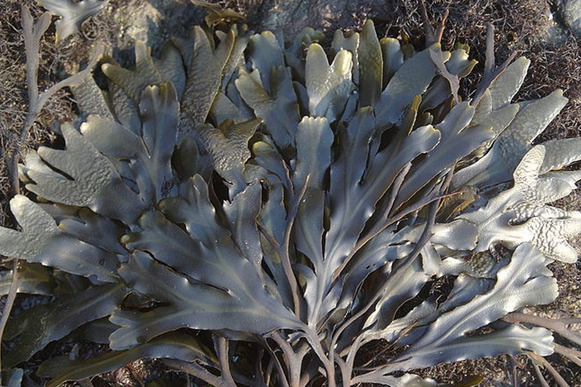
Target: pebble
(570,14)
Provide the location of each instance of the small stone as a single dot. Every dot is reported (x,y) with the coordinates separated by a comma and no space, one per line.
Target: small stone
(570,11)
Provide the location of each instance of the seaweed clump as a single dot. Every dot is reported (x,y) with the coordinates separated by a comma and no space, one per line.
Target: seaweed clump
(257,214)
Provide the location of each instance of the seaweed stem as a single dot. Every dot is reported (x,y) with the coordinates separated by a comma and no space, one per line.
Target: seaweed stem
(540,376)
(33,32)
(223,349)
(554,373)
(433,35)
(557,325)
(194,370)
(14,285)
(491,72)
(285,249)
(570,353)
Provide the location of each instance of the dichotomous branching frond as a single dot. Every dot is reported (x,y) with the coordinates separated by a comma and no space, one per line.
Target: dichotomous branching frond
(259,213)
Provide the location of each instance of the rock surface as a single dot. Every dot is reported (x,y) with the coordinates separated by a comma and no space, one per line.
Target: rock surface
(570,13)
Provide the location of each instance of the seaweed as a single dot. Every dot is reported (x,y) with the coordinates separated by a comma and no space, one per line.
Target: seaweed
(261,219)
